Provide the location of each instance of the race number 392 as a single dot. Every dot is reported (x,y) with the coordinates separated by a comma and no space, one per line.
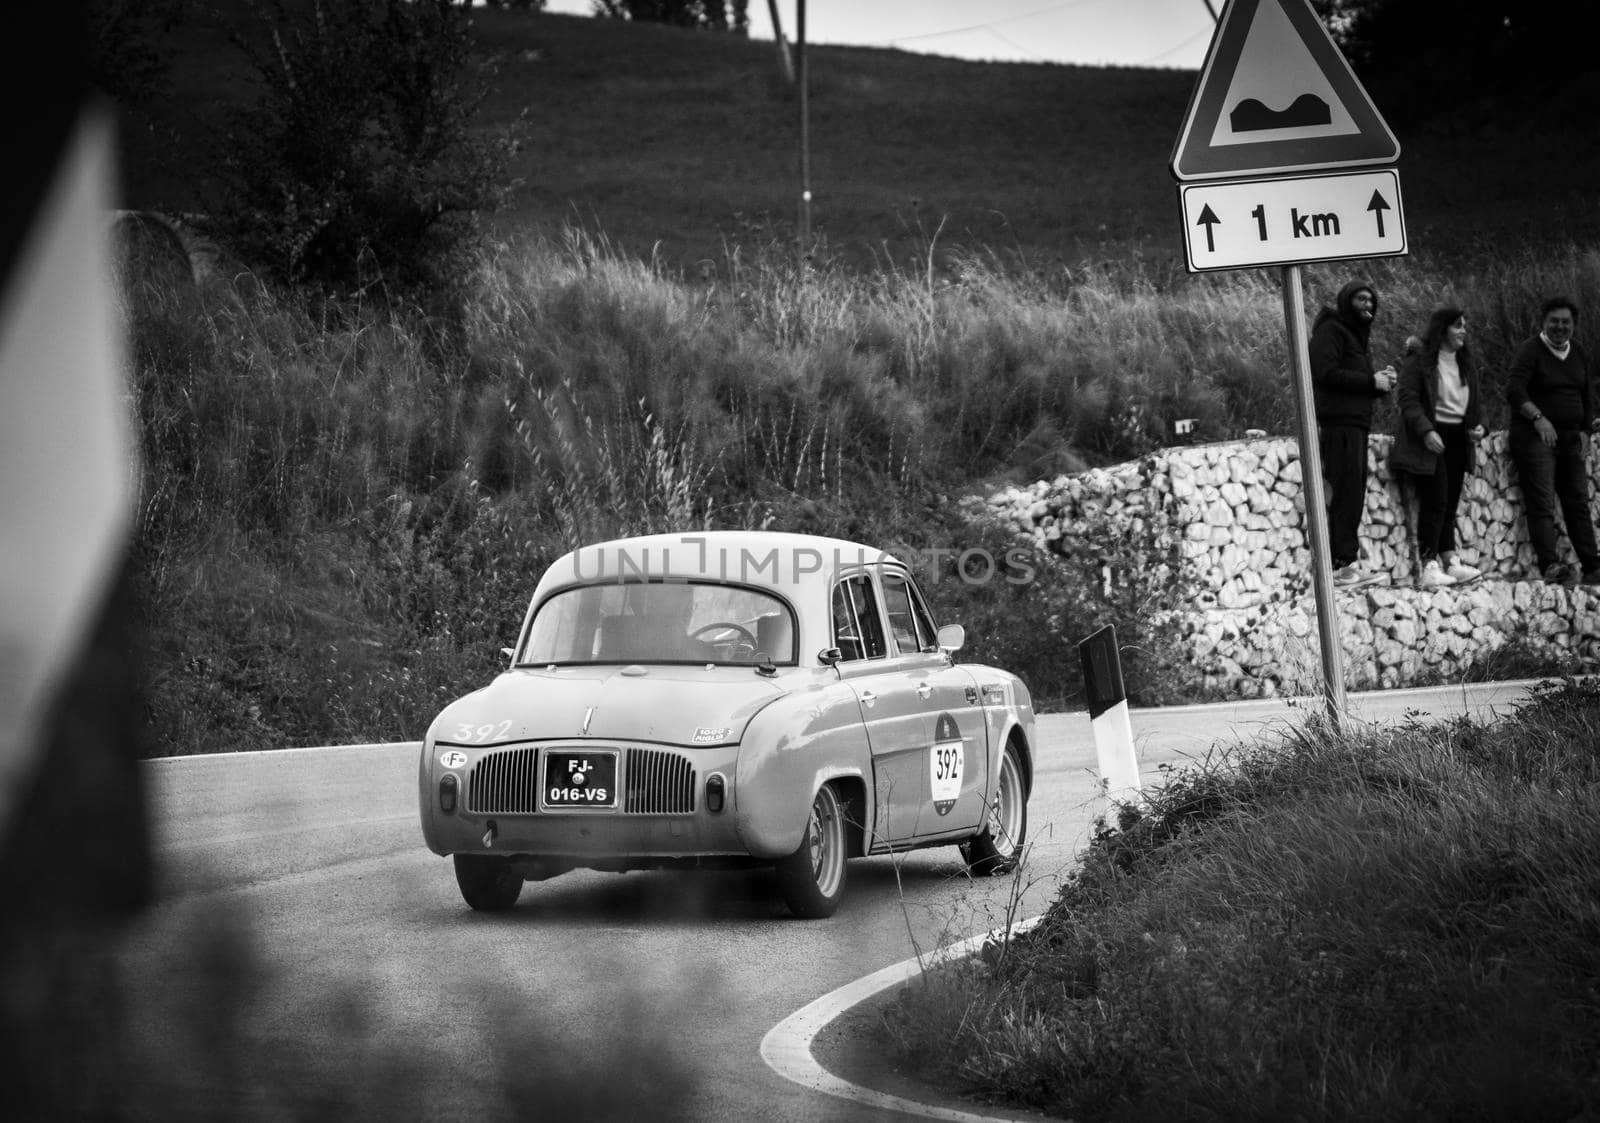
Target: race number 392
(945,764)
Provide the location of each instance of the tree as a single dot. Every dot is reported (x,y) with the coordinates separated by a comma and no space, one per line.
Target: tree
(1435,57)
(359,169)
(716,15)
(128,60)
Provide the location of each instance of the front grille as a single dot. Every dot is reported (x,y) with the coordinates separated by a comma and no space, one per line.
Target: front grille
(658,783)
(506,782)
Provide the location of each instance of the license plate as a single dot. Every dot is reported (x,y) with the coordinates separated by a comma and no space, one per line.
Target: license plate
(580,779)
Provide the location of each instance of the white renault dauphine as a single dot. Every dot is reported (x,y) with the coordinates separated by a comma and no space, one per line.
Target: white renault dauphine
(723,699)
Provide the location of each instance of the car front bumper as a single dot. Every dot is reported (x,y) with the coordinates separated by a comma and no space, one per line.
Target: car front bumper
(665,813)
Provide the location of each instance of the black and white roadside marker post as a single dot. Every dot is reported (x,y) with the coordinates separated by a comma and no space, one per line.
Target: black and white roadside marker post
(1108,715)
(1283,159)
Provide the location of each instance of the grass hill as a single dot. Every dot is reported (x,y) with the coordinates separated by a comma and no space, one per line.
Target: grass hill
(686,144)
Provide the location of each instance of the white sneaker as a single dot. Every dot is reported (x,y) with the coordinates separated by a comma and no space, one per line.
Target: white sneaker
(1352,576)
(1346,576)
(1459,571)
(1433,576)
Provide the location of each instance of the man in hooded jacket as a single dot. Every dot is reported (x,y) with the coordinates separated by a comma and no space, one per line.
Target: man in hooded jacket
(1344,386)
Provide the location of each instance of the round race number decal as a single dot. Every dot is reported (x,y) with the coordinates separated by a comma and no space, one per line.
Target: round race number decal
(945,764)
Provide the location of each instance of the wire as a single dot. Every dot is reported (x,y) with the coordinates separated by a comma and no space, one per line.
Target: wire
(1204,32)
(1016,46)
(989,26)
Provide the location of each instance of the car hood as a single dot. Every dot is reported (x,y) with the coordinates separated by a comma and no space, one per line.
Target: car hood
(667,705)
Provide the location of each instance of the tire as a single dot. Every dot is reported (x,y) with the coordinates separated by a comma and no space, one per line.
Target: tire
(998,849)
(488,883)
(812,878)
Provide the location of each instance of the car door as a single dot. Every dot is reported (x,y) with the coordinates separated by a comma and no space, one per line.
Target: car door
(894,714)
(956,769)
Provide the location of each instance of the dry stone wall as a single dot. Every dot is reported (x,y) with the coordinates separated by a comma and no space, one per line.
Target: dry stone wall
(1236,512)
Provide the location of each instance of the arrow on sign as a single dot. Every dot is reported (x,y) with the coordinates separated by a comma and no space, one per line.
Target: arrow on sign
(1208,218)
(1378,205)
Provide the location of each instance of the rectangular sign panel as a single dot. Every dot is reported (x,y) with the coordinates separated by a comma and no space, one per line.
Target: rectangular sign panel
(1289,219)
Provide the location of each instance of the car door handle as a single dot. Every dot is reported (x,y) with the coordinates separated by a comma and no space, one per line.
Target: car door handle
(924,691)
(868,697)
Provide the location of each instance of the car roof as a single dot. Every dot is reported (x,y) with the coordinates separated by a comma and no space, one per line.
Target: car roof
(780,560)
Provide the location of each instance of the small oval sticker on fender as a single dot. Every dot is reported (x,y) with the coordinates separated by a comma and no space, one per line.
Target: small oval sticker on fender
(453,759)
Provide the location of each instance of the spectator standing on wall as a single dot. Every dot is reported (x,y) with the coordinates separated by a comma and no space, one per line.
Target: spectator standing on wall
(1345,385)
(1439,397)
(1550,390)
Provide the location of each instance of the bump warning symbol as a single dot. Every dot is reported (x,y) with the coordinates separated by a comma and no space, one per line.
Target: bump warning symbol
(1279,91)
(1276,96)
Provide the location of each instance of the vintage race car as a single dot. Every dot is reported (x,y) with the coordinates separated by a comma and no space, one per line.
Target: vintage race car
(721,699)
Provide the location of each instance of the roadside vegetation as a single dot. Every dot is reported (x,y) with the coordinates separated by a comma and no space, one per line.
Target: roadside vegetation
(412,372)
(343,511)
(1394,925)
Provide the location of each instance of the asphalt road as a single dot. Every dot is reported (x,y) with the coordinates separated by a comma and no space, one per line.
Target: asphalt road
(309,954)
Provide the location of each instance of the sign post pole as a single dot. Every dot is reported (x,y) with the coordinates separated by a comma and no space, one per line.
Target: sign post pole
(1311,487)
(1283,159)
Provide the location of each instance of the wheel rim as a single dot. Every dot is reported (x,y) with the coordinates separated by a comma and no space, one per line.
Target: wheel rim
(825,842)
(1005,813)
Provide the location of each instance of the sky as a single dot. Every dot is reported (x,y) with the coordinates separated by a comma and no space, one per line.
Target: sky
(1167,33)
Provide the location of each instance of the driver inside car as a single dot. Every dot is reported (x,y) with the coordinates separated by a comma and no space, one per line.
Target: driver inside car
(666,609)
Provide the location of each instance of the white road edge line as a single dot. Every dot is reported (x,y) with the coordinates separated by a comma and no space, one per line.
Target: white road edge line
(787,1046)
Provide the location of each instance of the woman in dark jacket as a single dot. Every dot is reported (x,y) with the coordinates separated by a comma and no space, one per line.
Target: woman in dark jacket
(1440,398)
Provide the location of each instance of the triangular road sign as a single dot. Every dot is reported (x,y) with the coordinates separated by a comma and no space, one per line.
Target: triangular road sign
(1276,96)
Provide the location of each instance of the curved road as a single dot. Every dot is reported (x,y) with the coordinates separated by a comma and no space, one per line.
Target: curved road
(297,898)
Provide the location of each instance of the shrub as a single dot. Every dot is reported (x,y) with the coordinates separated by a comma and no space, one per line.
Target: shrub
(1386,924)
(1027,609)
(359,170)
(127,58)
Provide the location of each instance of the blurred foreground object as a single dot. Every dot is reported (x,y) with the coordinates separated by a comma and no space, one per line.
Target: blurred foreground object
(74,854)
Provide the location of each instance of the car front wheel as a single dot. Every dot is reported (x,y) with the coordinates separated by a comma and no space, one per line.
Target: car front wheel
(488,883)
(999,847)
(812,878)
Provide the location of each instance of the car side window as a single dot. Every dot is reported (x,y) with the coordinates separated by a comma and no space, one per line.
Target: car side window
(857,627)
(909,621)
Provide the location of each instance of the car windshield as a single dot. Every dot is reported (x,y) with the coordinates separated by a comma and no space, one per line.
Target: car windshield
(661,622)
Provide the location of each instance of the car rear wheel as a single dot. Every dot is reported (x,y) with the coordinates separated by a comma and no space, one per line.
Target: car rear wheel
(999,847)
(488,883)
(812,878)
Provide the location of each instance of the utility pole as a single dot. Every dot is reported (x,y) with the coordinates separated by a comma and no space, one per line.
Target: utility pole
(784,61)
(805,132)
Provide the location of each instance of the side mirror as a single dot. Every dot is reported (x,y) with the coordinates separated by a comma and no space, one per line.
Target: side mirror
(507,652)
(952,637)
(829,656)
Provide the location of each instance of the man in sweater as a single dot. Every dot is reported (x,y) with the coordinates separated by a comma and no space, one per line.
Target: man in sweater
(1551,394)
(1344,386)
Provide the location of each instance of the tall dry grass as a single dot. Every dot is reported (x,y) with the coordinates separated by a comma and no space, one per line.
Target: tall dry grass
(344,506)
